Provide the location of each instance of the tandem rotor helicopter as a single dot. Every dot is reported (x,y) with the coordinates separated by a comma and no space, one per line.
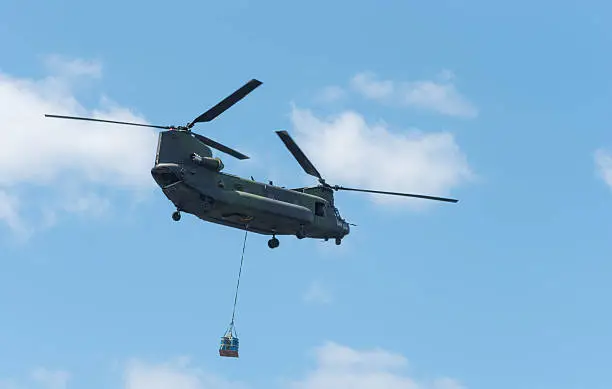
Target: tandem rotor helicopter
(192,179)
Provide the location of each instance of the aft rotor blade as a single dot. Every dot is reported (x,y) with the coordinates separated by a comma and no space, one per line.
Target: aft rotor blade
(219,146)
(107,121)
(298,154)
(398,194)
(226,103)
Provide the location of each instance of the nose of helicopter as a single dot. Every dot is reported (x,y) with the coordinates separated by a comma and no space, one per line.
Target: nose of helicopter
(345,228)
(166,174)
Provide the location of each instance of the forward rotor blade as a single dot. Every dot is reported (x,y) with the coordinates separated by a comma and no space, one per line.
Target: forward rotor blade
(226,103)
(219,146)
(298,154)
(107,121)
(398,194)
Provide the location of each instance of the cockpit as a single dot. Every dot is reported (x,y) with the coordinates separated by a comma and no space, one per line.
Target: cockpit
(341,222)
(337,213)
(165,174)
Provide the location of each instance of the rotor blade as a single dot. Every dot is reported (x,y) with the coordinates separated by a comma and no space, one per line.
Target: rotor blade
(398,194)
(107,121)
(226,103)
(298,154)
(219,146)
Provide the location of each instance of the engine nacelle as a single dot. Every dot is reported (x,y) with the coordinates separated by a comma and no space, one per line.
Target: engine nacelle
(214,164)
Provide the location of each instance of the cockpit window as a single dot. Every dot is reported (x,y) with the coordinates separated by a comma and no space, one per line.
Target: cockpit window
(167,178)
(319,208)
(336,212)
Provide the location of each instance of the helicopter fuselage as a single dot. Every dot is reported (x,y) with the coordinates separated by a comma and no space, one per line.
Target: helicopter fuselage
(192,180)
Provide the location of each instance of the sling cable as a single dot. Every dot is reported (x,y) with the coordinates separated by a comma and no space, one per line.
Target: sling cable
(229,341)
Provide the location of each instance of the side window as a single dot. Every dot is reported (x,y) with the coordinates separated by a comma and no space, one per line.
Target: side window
(319,209)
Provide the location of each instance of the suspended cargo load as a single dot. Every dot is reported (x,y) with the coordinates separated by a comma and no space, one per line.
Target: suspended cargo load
(229,344)
(229,341)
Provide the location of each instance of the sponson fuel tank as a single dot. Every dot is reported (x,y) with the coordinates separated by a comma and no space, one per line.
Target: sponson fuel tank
(270,206)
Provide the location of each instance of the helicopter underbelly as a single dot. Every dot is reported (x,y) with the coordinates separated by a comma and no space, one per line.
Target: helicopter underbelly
(237,209)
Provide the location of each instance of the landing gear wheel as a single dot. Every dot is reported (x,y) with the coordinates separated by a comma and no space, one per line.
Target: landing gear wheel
(273,243)
(338,241)
(176,216)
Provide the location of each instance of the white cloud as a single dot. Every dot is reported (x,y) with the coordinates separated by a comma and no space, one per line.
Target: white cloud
(9,384)
(177,374)
(603,162)
(88,203)
(336,367)
(317,293)
(446,75)
(51,379)
(50,154)
(341,367)
(75,67)
(369,86)
(331,94)
(438,96)
(333,356)
(9,214)
(349,151)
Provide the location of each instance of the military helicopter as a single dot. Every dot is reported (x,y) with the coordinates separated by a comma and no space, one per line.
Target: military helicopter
(192,179)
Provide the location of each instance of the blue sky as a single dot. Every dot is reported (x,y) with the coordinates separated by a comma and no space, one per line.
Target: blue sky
(502,105)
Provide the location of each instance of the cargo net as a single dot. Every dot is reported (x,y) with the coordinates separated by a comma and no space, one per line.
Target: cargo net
(229,341)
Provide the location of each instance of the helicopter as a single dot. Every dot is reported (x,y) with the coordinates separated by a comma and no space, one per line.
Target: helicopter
(194,181)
